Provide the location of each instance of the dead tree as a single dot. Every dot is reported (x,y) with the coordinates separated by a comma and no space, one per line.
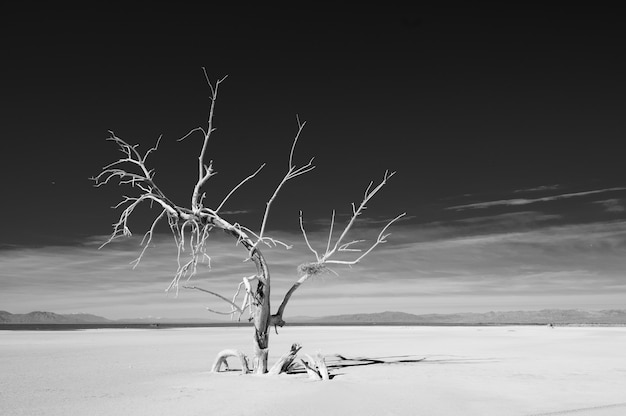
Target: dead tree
(191,227)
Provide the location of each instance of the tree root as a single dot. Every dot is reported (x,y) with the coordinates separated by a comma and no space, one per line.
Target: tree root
(286,361)
(223,355)
(316,367)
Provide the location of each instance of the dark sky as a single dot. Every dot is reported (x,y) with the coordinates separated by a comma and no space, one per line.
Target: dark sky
(483,113)
(458,101)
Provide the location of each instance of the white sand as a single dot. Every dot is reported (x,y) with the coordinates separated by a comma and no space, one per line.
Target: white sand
(465,371)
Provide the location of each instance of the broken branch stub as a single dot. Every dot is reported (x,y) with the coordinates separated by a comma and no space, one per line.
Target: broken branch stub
(283,364)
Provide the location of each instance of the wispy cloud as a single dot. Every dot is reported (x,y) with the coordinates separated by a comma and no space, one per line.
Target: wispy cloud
(515,260)
(526,201)
(538,188)
(510,219)
(612,205)
(342,219)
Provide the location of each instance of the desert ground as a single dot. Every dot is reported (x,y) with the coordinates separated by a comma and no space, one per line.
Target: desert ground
(504,370)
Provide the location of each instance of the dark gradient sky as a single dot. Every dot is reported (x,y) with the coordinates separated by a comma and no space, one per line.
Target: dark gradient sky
(498,122)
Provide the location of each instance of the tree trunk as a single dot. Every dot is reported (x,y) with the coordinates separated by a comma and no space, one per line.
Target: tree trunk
(261,302)
(261,336)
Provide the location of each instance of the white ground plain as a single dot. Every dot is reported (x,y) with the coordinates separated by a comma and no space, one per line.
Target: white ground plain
(508,370)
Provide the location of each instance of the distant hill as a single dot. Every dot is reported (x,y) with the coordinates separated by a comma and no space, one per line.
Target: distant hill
(39,317)
(546,316)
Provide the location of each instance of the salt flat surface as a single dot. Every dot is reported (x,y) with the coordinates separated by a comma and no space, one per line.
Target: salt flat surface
(509,370)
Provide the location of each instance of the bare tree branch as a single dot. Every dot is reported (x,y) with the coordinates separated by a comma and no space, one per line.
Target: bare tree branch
(200,129)
(234,305)
(339,245)
(291,173)
(205,171)
(237,187)
(320,266)
(356,212)
(306,239)
(148,235)
(247,298)
(381,239)
(330,234)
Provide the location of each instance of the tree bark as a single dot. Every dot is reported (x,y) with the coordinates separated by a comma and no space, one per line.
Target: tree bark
(277,318)
(262,314)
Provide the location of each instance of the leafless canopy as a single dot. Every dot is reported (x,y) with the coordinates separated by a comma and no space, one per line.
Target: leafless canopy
(191,226)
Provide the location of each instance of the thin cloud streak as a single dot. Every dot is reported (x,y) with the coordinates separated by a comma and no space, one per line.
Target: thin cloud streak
(526,201)
(538,189)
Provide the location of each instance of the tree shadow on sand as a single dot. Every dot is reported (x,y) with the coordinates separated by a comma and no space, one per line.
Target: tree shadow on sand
(338,362)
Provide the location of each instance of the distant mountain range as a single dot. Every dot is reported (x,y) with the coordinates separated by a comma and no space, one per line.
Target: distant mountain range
(51,318)
(39,317)
(546,316)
